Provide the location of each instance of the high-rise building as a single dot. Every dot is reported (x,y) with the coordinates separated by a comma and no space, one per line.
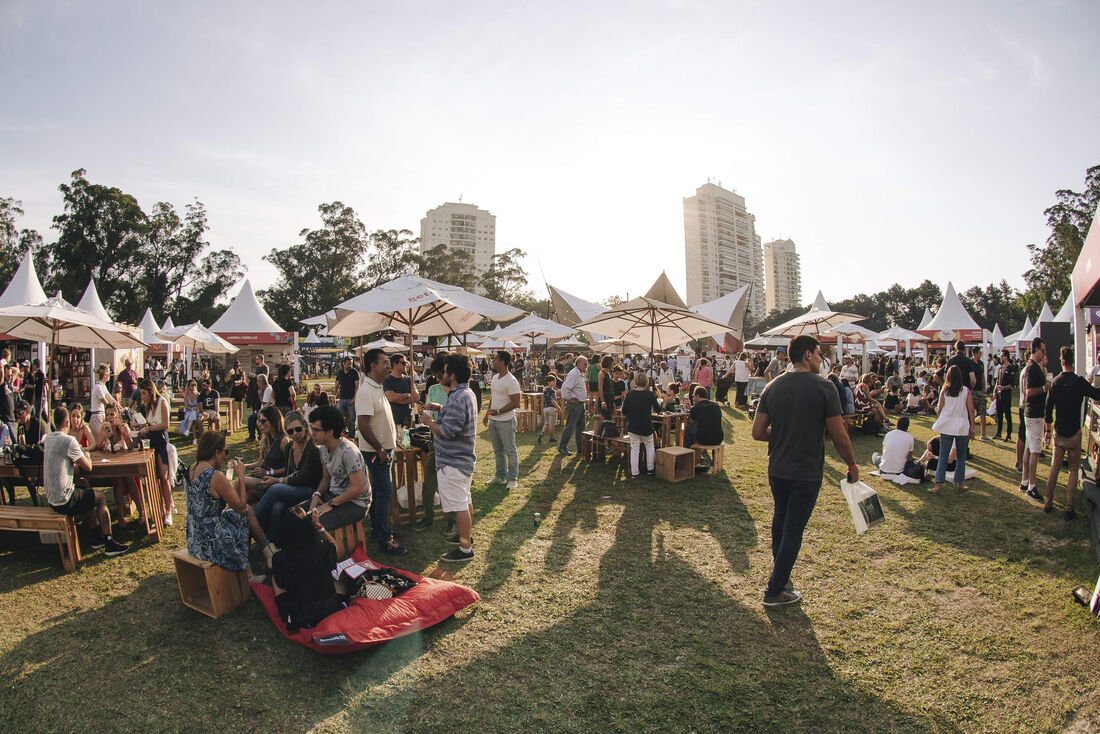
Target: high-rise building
(461,226)
(782,275)
(722,248)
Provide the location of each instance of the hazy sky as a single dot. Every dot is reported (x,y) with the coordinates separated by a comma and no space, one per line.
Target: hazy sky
(891,141)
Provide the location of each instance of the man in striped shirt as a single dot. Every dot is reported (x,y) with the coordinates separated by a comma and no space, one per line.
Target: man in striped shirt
(454,453)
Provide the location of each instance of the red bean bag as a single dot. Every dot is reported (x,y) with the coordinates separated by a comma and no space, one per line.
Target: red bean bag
(368,622)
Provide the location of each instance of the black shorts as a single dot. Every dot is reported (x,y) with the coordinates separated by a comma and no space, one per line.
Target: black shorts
(593,386)
(81,502)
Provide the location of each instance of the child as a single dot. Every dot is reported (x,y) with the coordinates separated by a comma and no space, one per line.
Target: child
(551,408)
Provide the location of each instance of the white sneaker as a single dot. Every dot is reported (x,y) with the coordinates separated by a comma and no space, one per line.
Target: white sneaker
(168,519)
(512,484)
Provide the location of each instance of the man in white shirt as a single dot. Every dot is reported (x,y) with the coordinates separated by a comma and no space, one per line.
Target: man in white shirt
(377,439)
(501,420)
(574,394)
(897,452)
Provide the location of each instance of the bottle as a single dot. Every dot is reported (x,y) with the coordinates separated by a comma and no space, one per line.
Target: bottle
(538,519)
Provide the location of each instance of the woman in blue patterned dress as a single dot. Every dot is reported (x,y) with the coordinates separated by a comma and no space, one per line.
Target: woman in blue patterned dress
(218,518)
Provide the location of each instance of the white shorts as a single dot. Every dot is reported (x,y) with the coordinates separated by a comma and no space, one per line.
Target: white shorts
(454,489)
(1033,430)
(549,415)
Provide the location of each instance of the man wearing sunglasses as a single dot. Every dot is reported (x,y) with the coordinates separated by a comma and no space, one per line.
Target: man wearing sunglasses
(343,495)
(377,438)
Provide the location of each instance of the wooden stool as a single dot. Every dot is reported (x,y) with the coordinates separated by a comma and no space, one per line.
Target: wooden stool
(348,536)
(525,420)
(591,447)
(208,588)
(45,520)
(719,451)
(675,463)
(617,446)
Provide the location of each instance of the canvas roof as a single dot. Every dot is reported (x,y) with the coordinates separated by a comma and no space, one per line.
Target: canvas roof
(952,315)
(663,291)
(25,287)
(90,302)
(729,309)
(1065,313)
(925,319)
(245,314)
(819,303)
(572,310)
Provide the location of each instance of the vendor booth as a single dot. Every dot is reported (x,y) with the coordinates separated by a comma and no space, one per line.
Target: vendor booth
(951,323)
(246,325)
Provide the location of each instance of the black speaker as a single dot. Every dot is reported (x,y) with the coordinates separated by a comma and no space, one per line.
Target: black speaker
(1055,336)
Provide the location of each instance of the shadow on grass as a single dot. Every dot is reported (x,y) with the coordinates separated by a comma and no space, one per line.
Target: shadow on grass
(672,653)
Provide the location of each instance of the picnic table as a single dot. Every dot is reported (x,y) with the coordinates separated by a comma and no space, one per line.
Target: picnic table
(670,422)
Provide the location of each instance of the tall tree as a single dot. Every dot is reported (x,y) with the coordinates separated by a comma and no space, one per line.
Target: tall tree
(998,303)
(14,242)
(453,266)
(506,280)
(1052,264)
(391,253)
(326,268)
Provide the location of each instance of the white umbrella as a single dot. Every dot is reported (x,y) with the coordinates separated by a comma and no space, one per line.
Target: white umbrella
(197,336)
(652,325)
(813,321)
(384,344)
(899,334)
(58,322)
(615,345)
(767,342)
(416,305)
(850,330)
(535,327)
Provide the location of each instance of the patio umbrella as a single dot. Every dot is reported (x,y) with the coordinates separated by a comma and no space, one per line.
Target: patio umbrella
(614,345)
(900,334)
(767,342)
(652,325)
(813,321)
(535,327)
(384,344)
(196,337)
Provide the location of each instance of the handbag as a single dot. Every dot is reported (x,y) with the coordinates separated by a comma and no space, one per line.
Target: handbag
(864,505)
(608,429)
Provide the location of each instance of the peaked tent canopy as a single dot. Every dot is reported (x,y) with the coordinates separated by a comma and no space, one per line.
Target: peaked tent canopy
(572,310)
(25,287)
(997,341)
(819,303)
(952,321)
(246,322)
(1016,337)
(663,291)
(767,342)
(925,320)
(90,302)
(1045,316)
(149,331)
(168,324)
(1065,313)
(729,309)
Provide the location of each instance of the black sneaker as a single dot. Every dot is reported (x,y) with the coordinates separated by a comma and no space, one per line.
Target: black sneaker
(564,452)
(96,539)
(1023,488)
(456,555)
(392,547)
(1034,494)
(452,538)
(783,598)
(1070,514)
(111,548)
(422,524)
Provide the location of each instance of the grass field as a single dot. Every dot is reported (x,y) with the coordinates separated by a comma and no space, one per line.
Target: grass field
(635,606)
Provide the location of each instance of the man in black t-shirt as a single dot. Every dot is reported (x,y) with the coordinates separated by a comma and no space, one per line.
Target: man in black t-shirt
(400,391)
(1002,395)
(1063,409)
(1035,393)
(963,362)
(704,420)
(977,391)
(793,414)
(347,385)
(208,404)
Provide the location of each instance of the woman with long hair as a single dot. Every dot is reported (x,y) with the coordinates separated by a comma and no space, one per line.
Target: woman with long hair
(605,389)
(273,444)
(154,409)
(80,430)
(300,479)
(955,424)
(114,435)
(100,398)
(190,407)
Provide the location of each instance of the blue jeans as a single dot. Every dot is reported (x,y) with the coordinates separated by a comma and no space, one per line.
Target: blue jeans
(347,409)
(794,503)
(961,443)
(381,489)
(502,434)
(574,425)
(273,505)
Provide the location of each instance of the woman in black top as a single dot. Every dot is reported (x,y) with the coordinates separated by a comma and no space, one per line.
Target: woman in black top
(272,461)
(301,478)
(282,389)
(605,389)
(639,405)
(302,574)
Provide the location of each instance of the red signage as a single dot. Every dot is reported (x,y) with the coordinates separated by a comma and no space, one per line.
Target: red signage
(259,337)
(949,336)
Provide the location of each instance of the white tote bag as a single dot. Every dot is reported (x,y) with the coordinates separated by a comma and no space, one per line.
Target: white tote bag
(864,505)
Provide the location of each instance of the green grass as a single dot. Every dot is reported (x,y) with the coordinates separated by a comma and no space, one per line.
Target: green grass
(635,606)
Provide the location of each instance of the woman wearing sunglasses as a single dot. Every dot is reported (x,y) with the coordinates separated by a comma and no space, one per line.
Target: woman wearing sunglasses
(272,461)
(302,475)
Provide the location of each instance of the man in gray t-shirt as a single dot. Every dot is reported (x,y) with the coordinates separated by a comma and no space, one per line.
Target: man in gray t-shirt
(343,495)
(795,410)
(61,456)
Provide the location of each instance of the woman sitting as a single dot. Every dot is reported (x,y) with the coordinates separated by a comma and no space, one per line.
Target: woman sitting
(153,408)
(190,407)
(218,518)
(80,430)
(866,404)
(301,478)
(272,461)
(114,435)
(302,573)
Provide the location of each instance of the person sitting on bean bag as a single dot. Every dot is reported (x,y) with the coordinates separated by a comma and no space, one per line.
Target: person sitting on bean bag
(302,573)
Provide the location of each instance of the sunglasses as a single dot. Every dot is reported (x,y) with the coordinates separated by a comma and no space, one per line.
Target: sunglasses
(295,429)
(261,421)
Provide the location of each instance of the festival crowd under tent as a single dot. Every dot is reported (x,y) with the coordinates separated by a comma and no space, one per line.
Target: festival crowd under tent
(951,323)
(115,359)
(247,326)
(24,288)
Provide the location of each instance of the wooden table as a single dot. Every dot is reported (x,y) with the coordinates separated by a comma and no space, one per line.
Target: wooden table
(670,422)
(532,401)
(138,465)
(408,466)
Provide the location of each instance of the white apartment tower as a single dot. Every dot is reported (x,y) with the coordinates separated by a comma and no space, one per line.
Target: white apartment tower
(722,248)
(461,226)
(783,275)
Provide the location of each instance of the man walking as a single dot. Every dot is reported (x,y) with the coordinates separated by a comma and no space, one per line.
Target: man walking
(1067,393)
(574,396)
(501,420)
(794,412)
(377,438)
(347,387)
(454,454)
(1034,396)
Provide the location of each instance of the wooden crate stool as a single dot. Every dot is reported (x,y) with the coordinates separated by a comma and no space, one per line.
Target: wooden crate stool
(45,520)
(618,447)
(675,463)
(208,588)
(348,536)
(719,455)
(525,420)
(591,447)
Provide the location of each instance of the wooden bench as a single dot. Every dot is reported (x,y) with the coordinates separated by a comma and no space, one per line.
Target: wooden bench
(718,452)
(45,520)
(526,420)
(852,421)
(591,446)
(208,588)
(349,536)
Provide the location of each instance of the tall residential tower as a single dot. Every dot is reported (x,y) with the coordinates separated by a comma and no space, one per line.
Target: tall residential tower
(783,275)
(461,226)
(722,248)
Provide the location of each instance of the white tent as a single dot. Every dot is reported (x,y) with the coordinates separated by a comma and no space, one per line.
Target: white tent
(925,319)
(952,315)
(729,309)
(245,314)
(1065,313)
(820,304)
(91,303)
(25,287)
(997,341)
(1045,316)
(571,310)
(168,324)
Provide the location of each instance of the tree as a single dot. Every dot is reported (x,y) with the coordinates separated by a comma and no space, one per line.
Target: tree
(391,254)
(325,269)
(453,266)
(1052,264)
(506,280)
(998,303)
(214,275)
(14,242)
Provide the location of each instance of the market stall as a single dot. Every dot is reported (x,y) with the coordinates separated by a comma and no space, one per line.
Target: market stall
(246,325)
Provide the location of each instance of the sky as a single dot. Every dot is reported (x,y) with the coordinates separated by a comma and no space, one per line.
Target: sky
(891,141)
